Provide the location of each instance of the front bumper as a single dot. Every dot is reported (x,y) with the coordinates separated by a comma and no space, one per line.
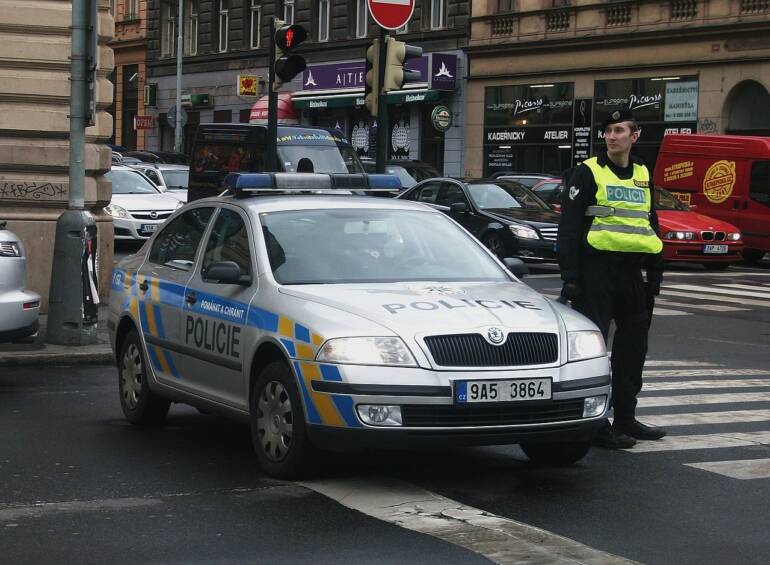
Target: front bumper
(535,250)
(129,228)
(693,251)
(16,321)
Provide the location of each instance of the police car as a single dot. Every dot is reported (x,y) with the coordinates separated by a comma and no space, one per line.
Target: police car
(344,321)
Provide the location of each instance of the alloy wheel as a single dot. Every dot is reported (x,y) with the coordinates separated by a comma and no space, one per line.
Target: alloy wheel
(274,420)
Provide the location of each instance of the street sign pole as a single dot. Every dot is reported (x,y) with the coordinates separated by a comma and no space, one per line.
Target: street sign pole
(383,123)
(179,49)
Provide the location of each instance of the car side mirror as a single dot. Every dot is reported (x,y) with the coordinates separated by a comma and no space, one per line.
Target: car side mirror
(226,272)
(458,208)
(516,266)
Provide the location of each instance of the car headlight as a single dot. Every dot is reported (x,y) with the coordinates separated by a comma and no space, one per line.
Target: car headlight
(117,211)
(734,236)
(680,235)
(585,345)
(366,351)
(524,232)
(10,249)
(179,204)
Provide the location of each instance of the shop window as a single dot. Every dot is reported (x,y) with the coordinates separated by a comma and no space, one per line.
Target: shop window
(244,115)
(168,30)
(437,14)
(223,116)
(323,20)
(288,11)
(256,24)
(759,190)
(362,18)
(224,24)
(191,28)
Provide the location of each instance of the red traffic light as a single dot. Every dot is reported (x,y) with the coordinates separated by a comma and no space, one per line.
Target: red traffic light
(288,37)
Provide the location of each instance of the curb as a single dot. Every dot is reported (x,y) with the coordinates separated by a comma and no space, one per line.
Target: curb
(90,355)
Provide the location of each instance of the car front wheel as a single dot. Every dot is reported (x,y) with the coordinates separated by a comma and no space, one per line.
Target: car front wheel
(556,454)
(140,405)
(494,243)
(278,430)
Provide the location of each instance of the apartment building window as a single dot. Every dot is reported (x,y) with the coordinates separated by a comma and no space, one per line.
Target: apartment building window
(224,23)
(288,11)
(437,13)
(256,24)
(404,28)
(168,30)
(191,28)
(323,20)
(130,10)
(505,5)
(362,18)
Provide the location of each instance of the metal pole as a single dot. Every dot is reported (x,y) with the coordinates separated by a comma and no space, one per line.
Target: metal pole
(179,53)
(271,161)
(383,123)
(78,97)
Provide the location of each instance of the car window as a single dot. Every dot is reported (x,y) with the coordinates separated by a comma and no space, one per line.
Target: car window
(229,241)
(365,245)
(759,190)
(450,193)
(176,179)
(177,243)
(153,176)
(504,195)
(337,158)
(407,180)
(130,182)
(664,200)
(426,193)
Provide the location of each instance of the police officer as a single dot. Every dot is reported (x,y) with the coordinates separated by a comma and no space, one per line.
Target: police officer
(607,235)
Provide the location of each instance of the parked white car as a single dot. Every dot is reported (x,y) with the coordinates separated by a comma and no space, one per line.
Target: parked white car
(19,307)
(171,179)
(138,207)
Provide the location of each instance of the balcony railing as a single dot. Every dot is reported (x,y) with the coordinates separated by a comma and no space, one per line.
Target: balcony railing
(684,9)
(503,25)
(558,20)
(750,7)
(619,15)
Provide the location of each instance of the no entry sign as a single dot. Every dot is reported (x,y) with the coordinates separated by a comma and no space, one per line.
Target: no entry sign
(391,14)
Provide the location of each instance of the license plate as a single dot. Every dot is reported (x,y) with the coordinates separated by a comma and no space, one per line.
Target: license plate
(715,249)
(149,227)
(502,391)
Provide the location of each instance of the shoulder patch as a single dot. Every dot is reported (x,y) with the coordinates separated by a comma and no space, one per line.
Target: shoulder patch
(642,183)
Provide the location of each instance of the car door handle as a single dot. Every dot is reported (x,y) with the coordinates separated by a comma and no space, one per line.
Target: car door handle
(190,298)
(143,286)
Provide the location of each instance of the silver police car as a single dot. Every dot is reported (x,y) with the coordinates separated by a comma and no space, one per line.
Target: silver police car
(343,321)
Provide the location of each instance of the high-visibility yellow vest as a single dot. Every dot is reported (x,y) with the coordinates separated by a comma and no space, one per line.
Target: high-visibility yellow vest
(622,212)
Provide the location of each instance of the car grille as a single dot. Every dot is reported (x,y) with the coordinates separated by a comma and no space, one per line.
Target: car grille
(549,233)
(472,350)
(712,235)
(500,414)
(147,214)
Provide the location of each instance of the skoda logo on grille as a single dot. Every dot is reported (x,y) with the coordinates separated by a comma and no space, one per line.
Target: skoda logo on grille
(495,336)
(154,215)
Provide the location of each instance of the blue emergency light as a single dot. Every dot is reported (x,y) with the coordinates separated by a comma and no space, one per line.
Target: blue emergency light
(252,184)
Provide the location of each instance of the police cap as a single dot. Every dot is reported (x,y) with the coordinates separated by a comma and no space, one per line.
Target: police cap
(617,116)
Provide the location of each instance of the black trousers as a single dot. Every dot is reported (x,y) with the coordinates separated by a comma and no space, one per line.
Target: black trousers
(612,288)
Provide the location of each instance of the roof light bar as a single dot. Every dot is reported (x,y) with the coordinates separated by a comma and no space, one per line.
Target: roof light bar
(251,184)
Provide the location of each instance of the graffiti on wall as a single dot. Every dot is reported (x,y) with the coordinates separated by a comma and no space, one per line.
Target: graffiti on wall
(30,190)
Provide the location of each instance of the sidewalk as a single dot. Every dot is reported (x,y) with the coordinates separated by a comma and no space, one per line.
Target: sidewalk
(35,351)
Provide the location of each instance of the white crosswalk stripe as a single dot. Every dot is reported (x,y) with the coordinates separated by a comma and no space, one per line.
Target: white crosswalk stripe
(715,372)
(742,469)
(705,384)
(703,441)
(695,399)
(700,418)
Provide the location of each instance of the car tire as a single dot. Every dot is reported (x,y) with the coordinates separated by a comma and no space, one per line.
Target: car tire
(752,256)
(716,266)
(278,429)
(556,454)
(140,405)
(494,243)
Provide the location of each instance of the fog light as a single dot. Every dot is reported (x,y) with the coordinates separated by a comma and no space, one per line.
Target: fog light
(379,414)
(594,406)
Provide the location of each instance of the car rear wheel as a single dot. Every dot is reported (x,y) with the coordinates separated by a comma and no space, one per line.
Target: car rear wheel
(140,405)
(752,255)
(556,454)
(716,266)
(278,430)
(494,243)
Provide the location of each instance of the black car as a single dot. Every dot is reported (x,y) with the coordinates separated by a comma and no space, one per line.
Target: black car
(410,172)
(507,217)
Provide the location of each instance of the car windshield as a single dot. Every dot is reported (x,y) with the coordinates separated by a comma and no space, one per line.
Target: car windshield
(529,182)
(664,200)
(335,246)
(324,158)
(176,179)
(130,182)
(407,180)
(504,195)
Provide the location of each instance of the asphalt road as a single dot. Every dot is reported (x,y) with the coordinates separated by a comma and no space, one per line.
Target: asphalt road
(78,484)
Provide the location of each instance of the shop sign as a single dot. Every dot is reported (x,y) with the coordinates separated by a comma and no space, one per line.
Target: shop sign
(248,85)
(441,117)
(681,101)
(499,159)
(654,132)
(197,100)
(520,105)
(350,74)
(581,130)
(407,97)
(443,71)
(540,135)
(144,122)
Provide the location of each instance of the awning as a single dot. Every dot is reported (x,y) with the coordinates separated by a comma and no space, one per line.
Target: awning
(286,110)
(355,97)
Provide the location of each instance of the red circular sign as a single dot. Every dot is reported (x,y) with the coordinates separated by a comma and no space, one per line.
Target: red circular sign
(391,14)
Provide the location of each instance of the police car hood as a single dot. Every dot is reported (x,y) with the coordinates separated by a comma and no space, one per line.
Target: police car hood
(410,308)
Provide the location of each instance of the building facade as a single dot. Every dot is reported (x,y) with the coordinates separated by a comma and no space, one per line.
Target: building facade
(545,73)
(130,48)
(226,43)
(34,132)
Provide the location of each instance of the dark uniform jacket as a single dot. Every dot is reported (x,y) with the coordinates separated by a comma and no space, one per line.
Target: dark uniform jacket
(572,244)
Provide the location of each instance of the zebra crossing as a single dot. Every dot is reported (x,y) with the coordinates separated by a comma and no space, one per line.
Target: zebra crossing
(681,298)
(689,399)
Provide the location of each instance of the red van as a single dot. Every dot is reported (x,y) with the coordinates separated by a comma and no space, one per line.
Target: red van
(724,176)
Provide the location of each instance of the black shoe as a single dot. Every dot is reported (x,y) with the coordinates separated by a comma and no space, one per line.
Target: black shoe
(610,438)
(636,429)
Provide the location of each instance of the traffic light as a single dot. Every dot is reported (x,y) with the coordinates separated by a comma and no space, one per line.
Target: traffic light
(287,65)
(396,75)
(372,90)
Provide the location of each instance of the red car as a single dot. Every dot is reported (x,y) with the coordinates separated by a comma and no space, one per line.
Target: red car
(695,238)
